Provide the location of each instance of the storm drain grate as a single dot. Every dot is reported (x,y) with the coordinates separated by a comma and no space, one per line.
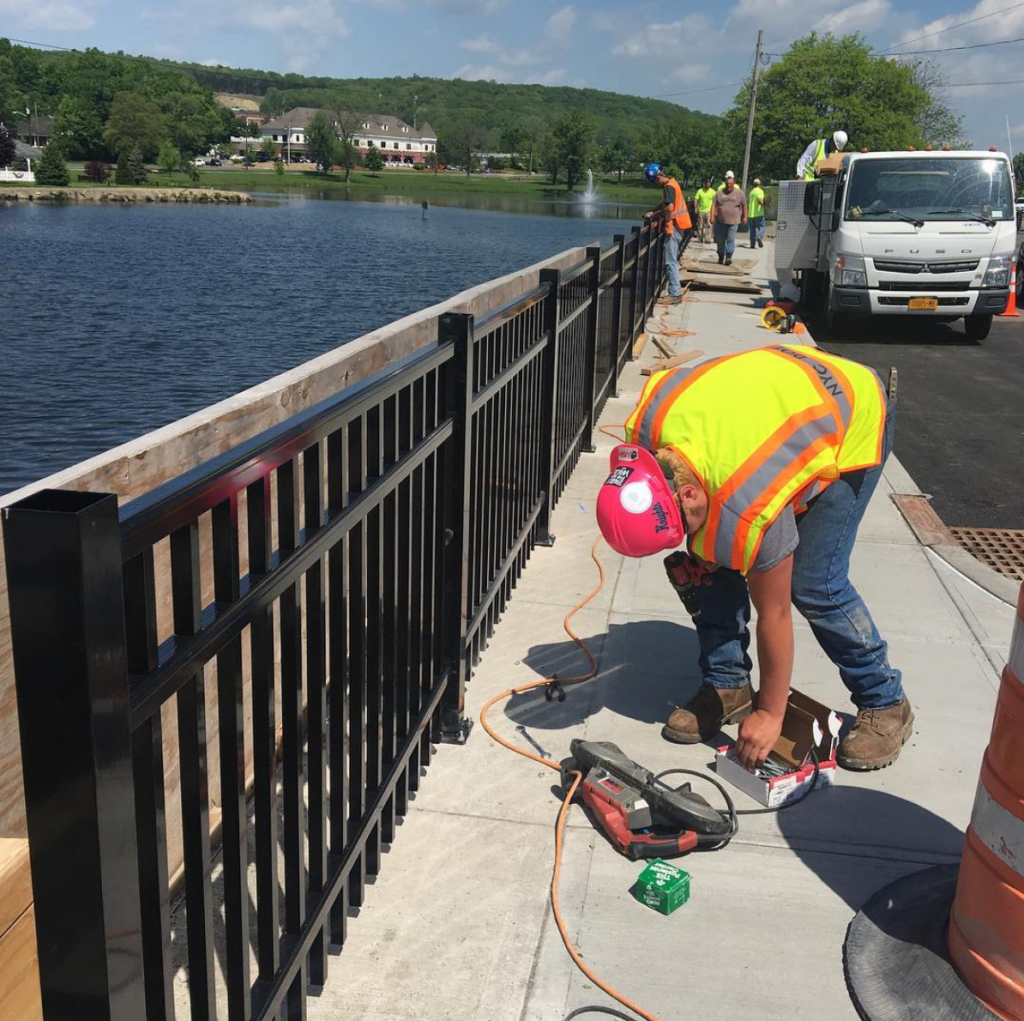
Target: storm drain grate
(1001,548)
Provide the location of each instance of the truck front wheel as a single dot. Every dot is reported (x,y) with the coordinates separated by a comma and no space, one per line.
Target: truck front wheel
(977,327)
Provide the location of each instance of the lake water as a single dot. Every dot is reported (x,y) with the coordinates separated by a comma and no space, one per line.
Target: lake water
(117,320)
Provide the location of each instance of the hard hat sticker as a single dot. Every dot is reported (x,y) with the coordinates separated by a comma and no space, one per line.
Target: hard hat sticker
(636,497)
(627,453)
(619,477)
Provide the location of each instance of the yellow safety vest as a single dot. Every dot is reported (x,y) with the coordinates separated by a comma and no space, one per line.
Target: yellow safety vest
(819,155)
(761,429)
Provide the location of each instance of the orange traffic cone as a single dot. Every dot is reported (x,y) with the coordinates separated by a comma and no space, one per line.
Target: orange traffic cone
(1011,305)
(986,929)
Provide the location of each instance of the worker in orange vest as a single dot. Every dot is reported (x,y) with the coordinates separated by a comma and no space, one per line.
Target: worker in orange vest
(768,459)
(675,216)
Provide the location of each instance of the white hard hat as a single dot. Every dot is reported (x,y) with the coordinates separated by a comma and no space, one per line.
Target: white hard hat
(840,138)
(729,173)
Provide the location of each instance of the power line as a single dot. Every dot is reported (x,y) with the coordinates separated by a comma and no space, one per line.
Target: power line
(949,28)
(950,49)
(968,85)
(692,92)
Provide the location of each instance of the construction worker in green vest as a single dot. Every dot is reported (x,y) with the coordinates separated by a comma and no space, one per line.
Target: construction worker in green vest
(756,203)
(703,198)
(817,151)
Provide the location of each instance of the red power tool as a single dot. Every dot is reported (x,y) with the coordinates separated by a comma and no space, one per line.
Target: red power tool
(642,816)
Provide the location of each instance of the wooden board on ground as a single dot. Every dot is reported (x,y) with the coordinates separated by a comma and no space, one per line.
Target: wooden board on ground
(735,285)
(666,349)
(19,962)
(740,268)
(639,344)
(671,363)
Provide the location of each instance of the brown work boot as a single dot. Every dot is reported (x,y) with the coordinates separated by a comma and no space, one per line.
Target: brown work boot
(702,717)
(876,739)
(670,299)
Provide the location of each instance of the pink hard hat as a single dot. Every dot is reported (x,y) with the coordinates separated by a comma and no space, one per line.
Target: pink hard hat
(637,511)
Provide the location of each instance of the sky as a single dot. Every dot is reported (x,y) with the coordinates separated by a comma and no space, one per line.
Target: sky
(695,55)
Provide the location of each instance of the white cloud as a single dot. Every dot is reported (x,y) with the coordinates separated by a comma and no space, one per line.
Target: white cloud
(470,8)
(861,17)
(556,76)
(52,15)
(688,74)
(560,25)
(483,72)
(667,39)
(482,44)
(214,63)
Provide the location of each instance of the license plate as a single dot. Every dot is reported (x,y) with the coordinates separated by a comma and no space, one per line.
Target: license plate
(923,304)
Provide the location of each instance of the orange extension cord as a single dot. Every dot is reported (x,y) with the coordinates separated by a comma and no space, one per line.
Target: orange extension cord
(571,793)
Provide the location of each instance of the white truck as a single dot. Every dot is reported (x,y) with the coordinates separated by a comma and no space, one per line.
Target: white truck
(916,233)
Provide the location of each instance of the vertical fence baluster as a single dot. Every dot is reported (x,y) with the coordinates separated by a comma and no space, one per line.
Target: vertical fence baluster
(337,467)
(291,723)
(63,553)
(547,411)
(374,642)
(264,735)
(617,332)
(403,568)
(316,702)
(186,600)
(457,329)
(148,767)
(357,656)
(420,520)
(231,743)
(590,364)
(389,596)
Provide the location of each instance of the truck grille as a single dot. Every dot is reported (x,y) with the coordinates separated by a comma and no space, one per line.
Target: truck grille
(926,267)
(943,302)
(923,286)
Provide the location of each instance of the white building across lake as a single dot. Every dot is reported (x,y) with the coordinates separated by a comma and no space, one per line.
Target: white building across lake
(398,142)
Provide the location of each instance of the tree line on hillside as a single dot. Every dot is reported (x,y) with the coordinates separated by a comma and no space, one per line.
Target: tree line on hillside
(137,109)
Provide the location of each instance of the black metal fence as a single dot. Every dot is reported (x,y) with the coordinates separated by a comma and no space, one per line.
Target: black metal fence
(360,555)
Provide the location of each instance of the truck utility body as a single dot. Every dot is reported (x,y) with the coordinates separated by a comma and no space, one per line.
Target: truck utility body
(902,233)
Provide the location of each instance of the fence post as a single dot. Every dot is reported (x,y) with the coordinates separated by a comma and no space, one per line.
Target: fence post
(634,292)
(594,292)
(457,329)
(64,577)
(643,271)
(548,410)
(620,261)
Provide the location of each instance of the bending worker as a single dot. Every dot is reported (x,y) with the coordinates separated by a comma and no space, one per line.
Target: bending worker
(817,151)
(764,463)
(676,218)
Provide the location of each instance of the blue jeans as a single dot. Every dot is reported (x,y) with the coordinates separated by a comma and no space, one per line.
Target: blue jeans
(822,592)
(725,237)
(672,245)
(756,227)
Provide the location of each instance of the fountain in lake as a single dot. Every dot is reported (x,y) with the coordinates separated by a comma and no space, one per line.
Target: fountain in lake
(589,197)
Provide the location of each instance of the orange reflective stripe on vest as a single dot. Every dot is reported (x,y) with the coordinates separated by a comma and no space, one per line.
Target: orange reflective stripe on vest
(680,214)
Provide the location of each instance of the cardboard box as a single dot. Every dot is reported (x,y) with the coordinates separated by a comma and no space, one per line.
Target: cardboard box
(807,726)
(831,164)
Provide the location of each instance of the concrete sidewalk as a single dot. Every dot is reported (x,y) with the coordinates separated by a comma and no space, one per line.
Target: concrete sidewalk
(458,927)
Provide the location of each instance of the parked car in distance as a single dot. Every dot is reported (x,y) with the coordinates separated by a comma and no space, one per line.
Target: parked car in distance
(199,162)
(261,158)
(214,163)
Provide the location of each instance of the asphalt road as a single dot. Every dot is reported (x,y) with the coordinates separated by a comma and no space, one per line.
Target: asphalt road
(960,418)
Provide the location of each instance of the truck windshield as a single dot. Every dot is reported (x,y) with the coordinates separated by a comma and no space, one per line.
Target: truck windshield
(950,188)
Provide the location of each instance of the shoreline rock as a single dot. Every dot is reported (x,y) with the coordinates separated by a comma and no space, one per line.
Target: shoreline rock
(208,196)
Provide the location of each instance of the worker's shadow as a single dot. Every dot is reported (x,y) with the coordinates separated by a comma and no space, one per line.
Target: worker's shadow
(856,839)
(646,668)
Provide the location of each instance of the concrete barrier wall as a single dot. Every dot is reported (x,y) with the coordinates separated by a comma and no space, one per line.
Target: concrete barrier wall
(145,463)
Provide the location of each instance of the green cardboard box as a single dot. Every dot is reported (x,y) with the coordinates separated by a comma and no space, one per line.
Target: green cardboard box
(662,886)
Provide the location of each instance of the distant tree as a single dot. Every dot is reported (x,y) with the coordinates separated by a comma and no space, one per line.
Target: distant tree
(97,171)
(574,139)
(374,160)
(550,155)
(79,127)
(346,124)
(321,142)
(8,146)
(1018,171)
(52,169)
(617,158)
(169,157)
(462,144)
(432,161)
(269,147)
(279,167)
(131,168)
(135,122)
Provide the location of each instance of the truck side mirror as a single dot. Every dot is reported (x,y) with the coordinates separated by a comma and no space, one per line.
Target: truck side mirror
(812,198)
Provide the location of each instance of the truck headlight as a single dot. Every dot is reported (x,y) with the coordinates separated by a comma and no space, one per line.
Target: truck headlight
(998,272)
(850,271)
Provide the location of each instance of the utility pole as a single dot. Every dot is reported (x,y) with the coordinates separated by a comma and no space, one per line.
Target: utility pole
(750,115)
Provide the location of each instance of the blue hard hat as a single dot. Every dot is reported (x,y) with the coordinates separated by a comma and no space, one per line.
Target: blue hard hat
(651,171)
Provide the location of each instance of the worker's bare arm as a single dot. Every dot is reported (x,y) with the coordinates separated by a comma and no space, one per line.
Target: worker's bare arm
(771,593)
